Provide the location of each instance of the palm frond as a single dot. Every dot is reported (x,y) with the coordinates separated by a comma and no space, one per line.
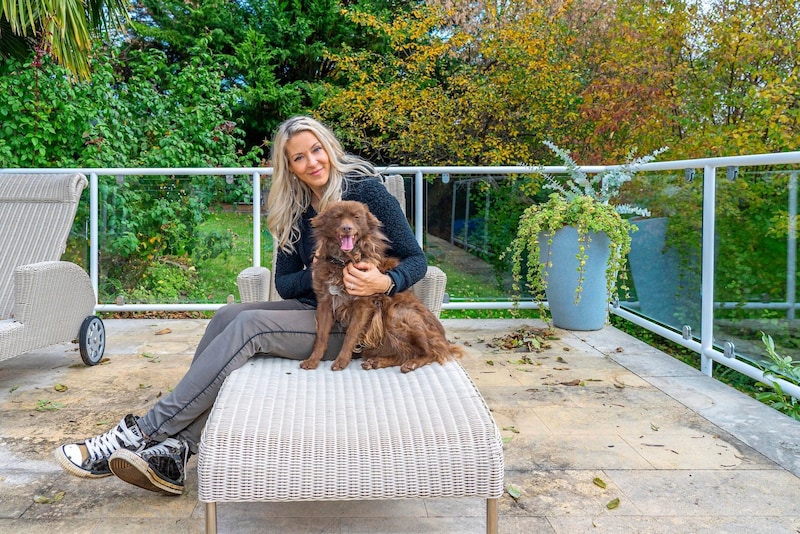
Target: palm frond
(65,27)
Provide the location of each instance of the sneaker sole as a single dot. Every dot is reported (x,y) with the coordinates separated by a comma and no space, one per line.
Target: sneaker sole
(131,468)
(73,469)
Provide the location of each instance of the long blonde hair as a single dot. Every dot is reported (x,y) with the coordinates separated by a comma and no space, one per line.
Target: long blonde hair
(288,197)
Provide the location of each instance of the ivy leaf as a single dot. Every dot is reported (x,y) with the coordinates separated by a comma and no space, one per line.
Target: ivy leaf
(613,503)
(47,406)
(599,482)
(514,492)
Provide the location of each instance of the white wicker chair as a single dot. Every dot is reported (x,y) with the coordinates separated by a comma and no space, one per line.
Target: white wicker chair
(277,433)
(43,301)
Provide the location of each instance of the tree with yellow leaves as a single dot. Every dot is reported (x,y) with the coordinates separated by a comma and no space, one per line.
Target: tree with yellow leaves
(706,78)
(443,95)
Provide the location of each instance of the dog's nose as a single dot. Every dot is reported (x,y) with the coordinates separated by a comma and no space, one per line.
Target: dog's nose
(347,229)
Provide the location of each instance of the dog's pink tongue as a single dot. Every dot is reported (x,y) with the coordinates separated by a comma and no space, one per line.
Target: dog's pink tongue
(347,243)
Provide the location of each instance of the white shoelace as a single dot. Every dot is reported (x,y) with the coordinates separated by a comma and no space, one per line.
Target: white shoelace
(105,445)
(162,449)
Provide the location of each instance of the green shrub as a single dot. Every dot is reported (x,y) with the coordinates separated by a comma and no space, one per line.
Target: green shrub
(784,368)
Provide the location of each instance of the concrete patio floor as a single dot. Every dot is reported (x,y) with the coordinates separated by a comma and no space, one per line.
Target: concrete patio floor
(597,416)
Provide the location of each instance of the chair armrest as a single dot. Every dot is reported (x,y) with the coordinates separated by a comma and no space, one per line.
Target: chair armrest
(430,290)
(53,295)
(254,284)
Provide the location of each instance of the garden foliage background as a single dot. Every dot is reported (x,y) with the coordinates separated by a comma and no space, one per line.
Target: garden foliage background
(432,82)
(204,83)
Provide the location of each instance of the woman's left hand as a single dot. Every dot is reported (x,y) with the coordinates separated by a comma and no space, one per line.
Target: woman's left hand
(363,279)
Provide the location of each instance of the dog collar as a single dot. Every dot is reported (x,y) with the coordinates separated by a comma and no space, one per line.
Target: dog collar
(337,261)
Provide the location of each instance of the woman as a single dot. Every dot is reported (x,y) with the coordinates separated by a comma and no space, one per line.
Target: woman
(311,170)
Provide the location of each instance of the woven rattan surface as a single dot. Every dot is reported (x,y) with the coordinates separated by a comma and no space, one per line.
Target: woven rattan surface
(36,214)
(254,284)
(46,298)
(397,187)
(430,290)
(279,433)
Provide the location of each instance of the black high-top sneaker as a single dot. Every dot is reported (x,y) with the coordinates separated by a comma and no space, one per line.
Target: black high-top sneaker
(160,468)
(89,459)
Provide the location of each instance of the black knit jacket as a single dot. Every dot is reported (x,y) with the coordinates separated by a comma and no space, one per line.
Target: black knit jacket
(293,273)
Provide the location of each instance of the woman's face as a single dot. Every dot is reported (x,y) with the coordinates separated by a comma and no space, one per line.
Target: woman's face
(309,161)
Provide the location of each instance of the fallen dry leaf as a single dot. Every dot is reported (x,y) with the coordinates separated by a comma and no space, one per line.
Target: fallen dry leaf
(524,339)
(575,382)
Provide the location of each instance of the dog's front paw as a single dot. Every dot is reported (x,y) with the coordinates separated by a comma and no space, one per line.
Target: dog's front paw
(339,364)
(369,364)
(309,364)
(409,366)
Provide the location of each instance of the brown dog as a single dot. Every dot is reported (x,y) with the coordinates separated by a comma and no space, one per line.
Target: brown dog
(396,330)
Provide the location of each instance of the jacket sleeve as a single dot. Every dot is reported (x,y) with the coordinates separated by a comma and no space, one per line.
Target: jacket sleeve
(292,278)
(413,264)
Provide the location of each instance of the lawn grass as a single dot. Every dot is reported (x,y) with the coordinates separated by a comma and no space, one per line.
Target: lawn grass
(234,232)
(467,287)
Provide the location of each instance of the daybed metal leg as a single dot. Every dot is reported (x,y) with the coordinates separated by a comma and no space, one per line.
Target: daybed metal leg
(211,518)
(491,516)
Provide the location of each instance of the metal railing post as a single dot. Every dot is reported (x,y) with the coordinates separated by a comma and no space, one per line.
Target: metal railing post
(791,254)
(707,276)
(94,204)
(418,207)
(256,219)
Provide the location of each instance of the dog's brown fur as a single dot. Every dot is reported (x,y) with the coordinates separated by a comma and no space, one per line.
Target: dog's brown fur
(396,330)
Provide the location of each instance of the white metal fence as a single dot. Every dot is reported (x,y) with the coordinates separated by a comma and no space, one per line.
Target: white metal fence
(711,348)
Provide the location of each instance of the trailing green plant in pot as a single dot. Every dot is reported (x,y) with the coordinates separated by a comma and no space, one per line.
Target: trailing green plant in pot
(573,247)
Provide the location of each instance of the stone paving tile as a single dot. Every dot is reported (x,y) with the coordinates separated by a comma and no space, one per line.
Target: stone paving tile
(671,524)
(690,492)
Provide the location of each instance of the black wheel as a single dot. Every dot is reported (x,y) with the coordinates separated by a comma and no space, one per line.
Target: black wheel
(92,340)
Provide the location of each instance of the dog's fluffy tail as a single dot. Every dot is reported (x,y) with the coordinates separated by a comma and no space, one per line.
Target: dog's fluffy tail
(456,351)
(445,351)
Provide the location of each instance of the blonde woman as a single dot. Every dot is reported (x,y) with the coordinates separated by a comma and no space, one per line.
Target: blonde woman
(311,170)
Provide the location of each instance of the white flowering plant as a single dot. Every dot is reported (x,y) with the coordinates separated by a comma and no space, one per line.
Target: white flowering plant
(603,186)
(584,203)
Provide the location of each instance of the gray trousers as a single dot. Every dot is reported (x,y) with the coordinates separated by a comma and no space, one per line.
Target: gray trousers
(237,332)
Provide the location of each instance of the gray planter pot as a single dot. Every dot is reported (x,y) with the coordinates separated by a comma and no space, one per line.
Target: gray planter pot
(563,277)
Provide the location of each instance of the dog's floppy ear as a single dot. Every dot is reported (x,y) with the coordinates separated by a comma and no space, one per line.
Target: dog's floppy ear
(373,222)
(320,219)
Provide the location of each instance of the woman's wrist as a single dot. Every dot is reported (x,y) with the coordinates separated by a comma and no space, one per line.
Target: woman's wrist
(389,286)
